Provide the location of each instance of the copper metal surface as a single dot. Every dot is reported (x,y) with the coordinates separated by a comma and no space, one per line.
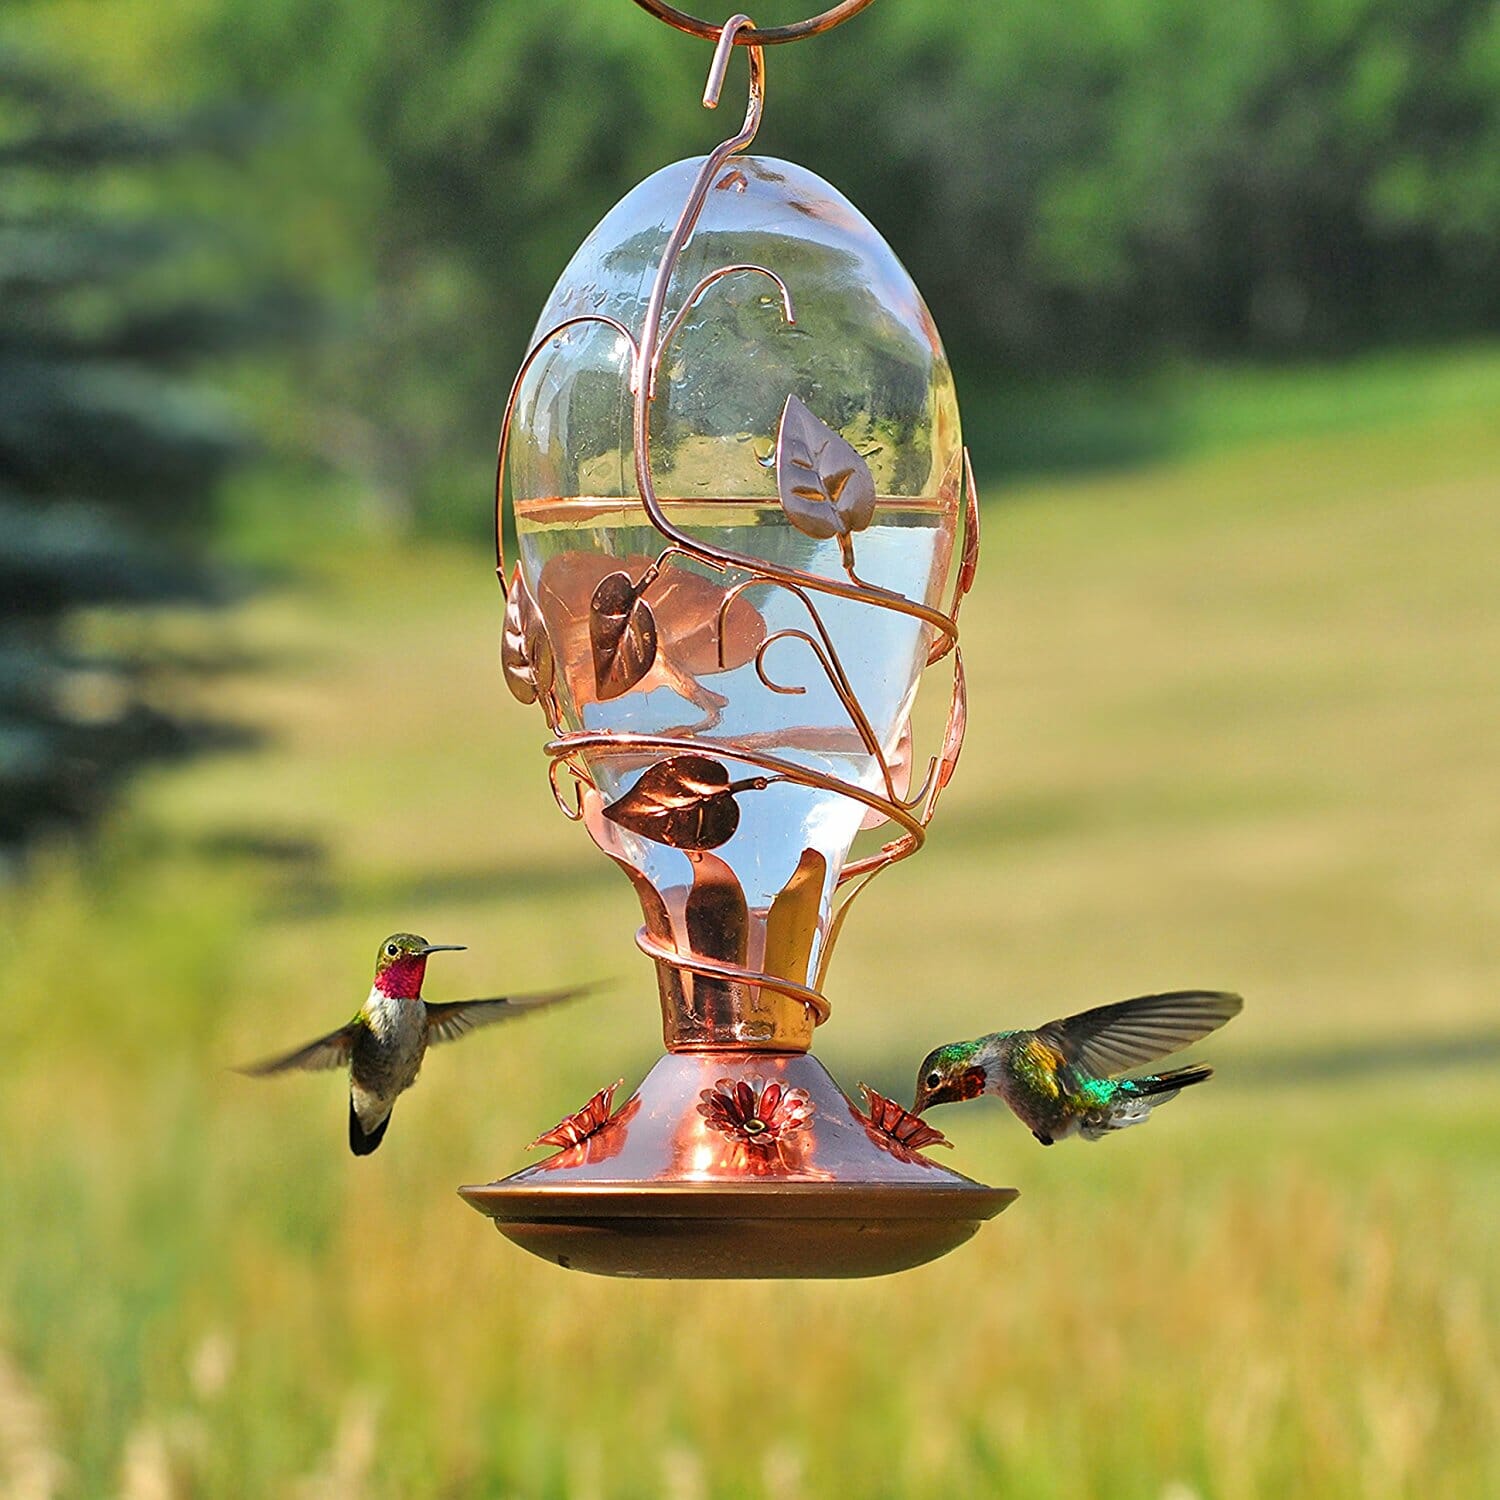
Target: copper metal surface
(675,1184)
(745,1233)
(764,36)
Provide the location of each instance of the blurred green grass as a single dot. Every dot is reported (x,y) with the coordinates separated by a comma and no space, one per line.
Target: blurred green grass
(1233,723)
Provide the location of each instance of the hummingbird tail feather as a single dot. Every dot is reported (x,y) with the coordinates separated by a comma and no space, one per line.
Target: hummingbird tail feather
(360,1143)
(1159,1084)
(1137,1097)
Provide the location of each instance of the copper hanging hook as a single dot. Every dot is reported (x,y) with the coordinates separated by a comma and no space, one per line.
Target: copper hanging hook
(720,65)
(736,29)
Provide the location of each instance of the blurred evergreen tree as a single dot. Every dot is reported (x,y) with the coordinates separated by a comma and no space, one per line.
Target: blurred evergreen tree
(109,456)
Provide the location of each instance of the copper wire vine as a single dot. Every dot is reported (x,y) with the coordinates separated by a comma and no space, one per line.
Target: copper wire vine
(567,749)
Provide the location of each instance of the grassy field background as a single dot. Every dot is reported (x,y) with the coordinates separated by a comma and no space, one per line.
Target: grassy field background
(1235,721)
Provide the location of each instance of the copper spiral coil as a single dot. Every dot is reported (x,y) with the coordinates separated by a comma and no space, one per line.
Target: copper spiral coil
(569,750)
(713,968)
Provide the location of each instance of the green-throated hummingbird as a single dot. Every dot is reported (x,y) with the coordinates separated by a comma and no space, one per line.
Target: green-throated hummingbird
(1062,1076)
(383,1046)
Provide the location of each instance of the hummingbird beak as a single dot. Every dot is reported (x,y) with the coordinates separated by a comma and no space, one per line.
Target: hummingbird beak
(441,948)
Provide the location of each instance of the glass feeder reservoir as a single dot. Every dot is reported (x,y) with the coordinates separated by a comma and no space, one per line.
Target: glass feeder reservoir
(734,459)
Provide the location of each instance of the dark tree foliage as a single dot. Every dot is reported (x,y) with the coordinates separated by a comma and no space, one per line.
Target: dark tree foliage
(1112,180)
(109,456)
(1077,188)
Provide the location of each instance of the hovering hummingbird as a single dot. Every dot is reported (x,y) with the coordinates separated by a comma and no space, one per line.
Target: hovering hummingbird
(1061,1077)
(383,1046)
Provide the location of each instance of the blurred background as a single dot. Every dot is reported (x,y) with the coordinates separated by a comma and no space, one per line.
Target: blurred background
(1221,285)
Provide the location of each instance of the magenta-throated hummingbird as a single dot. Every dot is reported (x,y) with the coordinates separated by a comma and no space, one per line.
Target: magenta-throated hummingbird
(383,1046)
(1061,1077)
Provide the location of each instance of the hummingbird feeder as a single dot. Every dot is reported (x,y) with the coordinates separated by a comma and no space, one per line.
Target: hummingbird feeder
(746,524)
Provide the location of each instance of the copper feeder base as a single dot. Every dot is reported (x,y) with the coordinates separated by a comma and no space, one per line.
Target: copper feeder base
(662,1191)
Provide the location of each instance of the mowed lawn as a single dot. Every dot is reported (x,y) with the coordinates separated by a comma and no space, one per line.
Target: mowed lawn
(1235,722)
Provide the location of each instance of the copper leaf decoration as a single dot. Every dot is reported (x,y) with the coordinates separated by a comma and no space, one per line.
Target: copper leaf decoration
(696,634)
(525,651)
(958,723)
(792,922)
(826,488)
(953,738)
(622,632)
(687,802)
(687,607)
(717,922)
(969,561)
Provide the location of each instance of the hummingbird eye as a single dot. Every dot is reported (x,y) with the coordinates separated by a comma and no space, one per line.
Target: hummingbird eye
(933,1079)
(391,950)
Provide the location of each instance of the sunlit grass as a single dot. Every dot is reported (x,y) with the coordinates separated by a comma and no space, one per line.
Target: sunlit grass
(1234,722)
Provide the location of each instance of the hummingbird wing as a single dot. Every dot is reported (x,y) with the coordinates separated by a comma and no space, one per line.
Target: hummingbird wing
(455,1018)
(331,1051)
(1112,1038)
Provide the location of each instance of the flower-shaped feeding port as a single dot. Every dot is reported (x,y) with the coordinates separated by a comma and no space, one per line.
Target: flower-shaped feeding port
(754,1112)
(593,1134)
(897,1129)
(583,1123)
(746,524)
